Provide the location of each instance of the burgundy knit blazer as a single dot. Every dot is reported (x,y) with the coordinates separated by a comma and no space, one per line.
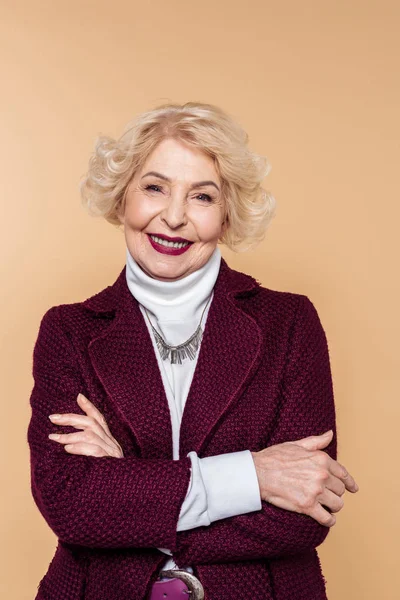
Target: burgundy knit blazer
(262,378)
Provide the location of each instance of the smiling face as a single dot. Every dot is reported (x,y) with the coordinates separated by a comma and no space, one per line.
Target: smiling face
(176,194)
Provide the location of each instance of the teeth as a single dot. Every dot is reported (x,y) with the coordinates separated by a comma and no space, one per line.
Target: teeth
(169,244)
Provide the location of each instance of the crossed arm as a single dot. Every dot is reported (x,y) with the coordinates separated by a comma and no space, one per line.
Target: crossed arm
(100,502)
(120,503)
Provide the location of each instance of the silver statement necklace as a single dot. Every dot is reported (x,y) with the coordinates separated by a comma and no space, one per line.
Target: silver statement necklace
(186,350)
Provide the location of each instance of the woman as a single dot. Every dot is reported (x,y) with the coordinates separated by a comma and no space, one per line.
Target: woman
(195,446)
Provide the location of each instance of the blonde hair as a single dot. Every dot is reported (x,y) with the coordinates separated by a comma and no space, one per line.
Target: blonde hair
(249,208)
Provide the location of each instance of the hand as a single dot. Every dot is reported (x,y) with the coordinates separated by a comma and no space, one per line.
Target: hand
(300,477)
(94,440)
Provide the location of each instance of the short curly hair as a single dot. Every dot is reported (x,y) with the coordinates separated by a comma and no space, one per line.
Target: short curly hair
(248,207)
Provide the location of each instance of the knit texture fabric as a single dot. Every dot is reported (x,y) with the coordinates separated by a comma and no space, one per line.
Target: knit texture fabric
(262,378)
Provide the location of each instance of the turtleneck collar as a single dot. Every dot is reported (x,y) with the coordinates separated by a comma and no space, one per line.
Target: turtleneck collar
(180,300)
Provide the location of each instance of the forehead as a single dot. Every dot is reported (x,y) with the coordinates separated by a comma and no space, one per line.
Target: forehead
(179,160)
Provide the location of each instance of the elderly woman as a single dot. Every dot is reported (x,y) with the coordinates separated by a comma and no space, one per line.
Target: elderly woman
(183,436)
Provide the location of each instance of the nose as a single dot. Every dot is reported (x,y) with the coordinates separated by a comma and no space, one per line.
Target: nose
(174,213)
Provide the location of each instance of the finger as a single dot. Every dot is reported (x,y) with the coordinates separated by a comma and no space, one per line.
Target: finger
(339,471)
(331,500)
(322,516)
(91,410)
(315,442)
(84,449)
(82,422)
(87,437)
(336,485)
(78,421)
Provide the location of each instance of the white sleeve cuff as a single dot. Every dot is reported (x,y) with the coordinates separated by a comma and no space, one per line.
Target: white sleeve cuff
(193,511)
(231,484)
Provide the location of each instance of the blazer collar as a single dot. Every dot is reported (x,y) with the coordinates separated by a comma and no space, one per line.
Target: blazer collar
(124,360)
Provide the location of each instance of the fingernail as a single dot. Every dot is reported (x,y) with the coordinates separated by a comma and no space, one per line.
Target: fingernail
(357,488)
(54,417)
(54,436)
(82,397)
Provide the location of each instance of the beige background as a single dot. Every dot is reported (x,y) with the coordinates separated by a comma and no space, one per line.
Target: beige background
(316,85)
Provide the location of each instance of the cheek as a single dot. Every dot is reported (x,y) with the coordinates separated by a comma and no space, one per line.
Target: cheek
(208,223)
(138,213)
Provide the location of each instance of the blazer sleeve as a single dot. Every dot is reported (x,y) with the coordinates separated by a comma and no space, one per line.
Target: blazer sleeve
(307,408)
(103,502)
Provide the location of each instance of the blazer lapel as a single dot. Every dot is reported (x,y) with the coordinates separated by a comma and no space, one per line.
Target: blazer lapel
(230,353)
(124,360)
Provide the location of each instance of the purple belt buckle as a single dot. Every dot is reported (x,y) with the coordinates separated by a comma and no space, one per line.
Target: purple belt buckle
(182,585)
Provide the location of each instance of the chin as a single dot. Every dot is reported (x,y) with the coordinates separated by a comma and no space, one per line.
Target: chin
(164,272)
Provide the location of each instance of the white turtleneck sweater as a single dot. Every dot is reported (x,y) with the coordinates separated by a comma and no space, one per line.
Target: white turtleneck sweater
(220,486)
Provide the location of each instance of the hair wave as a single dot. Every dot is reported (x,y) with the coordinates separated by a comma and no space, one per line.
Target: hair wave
(114,162)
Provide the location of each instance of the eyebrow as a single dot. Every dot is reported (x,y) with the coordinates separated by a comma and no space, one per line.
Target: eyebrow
(194,185)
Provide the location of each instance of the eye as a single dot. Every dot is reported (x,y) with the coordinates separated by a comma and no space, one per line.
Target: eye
(206,196)
(153,185)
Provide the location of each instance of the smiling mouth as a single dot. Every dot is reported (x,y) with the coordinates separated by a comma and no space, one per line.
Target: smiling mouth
(168,244)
